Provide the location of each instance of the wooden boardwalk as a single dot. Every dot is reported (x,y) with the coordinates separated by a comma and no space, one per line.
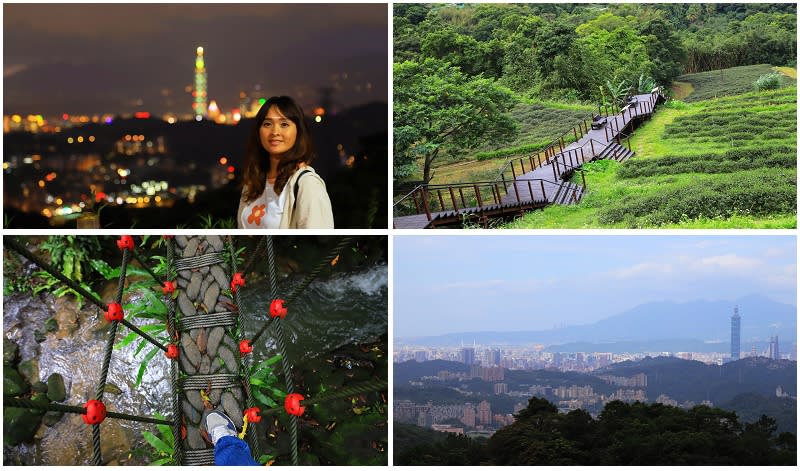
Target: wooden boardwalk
(531,182)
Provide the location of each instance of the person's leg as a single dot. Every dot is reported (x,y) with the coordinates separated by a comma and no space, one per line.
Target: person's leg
(229,449)
(232,451)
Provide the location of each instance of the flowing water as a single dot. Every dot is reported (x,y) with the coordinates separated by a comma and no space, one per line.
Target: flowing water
(343,309)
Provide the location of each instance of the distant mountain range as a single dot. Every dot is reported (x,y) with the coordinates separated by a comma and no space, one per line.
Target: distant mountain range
(672,326)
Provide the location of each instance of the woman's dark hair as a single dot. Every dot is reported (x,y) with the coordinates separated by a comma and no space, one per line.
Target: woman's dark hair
(256,163)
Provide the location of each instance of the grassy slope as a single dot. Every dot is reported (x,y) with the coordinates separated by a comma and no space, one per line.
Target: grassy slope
(539,125)
(733,81)
(609,192)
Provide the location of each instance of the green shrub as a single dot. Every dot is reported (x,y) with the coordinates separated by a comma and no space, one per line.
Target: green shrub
(771,81)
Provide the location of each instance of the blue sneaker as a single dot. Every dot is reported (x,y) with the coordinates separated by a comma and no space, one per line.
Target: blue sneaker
(215,425)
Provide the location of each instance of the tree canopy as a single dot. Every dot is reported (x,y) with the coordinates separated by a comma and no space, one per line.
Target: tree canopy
(439,108)
(623,434)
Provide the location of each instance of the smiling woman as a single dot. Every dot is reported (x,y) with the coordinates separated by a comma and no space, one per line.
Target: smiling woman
(279,153)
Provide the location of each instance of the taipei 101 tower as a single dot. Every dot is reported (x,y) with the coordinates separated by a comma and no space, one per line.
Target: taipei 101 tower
(736,323)
(200,93)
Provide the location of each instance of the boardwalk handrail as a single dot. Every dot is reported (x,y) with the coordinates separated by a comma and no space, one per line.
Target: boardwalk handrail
(564,160)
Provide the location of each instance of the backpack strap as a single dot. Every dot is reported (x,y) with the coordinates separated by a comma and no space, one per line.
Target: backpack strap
(297,186)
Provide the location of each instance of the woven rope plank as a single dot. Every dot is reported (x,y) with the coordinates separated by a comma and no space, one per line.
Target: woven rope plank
(216,319)
(191,263)
(218,381)
(203,457)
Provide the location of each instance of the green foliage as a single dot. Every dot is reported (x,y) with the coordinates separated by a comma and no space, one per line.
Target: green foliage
(161,452)
(208,222)
(646,84)
(760,192)
(729,162)
(71,255)
(771,81)
(264,383)
(623,434)
(727,82)
(438,108)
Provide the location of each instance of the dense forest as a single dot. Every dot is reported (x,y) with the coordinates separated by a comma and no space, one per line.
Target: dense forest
(460,69)
(623,434)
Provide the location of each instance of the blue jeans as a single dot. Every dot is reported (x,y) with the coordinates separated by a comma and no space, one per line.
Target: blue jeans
(233,451)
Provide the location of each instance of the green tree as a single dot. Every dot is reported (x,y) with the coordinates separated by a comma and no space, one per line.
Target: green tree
(438,108)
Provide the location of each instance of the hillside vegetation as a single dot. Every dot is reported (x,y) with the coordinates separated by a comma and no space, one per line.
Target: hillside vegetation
(718,163)
(487,80)
(623,434)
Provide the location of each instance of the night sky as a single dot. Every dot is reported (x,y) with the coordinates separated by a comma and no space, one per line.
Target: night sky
(92,58)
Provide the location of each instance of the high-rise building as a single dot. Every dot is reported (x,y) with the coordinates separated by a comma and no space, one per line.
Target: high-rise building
(500,388)
(420,356)
(484,413)
(774,351)
(200,93)
(493,357)
(468,355)
(736,341)
(468,418)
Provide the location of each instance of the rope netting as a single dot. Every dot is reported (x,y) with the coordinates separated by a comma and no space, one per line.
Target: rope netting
(202,319)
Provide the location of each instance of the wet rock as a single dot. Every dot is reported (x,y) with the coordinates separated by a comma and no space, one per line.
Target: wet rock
(66,316)
(181,241)
(191,248)
(112,389)
(190,350)
(214,338)
(55,388)
(39,386)
(205,365)
(191,414)
(194,398)
(229,358)
(182,282)
(210,297)
(194,285)
(10,352)
(194,439)
(116,441)
(219,275)
(19,425)
(232,408)
(237,393)
(216,243)
(204,271)
(52,417)
(50,325)
(185,305)
(29,370)
(13,383)
(184,275)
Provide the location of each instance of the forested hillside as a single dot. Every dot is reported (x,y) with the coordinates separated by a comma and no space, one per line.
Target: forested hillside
(469,77)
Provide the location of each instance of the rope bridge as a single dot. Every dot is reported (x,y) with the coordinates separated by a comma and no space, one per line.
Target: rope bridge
(210,364)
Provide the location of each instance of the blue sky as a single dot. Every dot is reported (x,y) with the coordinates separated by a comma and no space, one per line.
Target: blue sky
(445,284)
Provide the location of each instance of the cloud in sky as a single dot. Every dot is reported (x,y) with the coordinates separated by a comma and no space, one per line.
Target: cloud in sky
(457,284)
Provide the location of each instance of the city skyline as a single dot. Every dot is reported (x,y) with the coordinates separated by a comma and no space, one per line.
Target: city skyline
(94,58)
(500,283)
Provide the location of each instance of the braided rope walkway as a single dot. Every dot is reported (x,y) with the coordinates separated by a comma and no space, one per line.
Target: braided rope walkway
(208,372)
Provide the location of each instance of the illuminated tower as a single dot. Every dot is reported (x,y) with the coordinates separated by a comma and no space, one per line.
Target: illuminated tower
(200,94)
(736,324)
